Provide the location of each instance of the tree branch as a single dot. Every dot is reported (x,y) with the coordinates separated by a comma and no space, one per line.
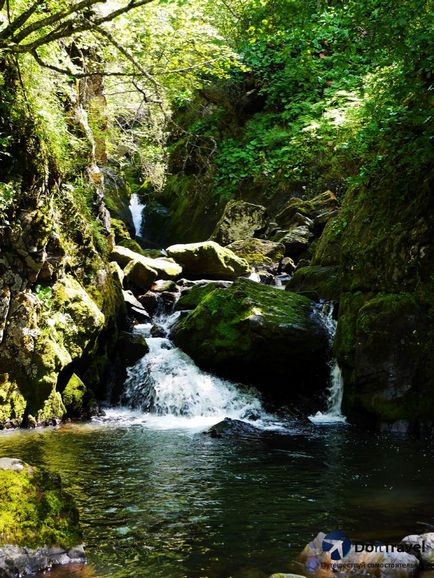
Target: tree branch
(54,18)
(18,22)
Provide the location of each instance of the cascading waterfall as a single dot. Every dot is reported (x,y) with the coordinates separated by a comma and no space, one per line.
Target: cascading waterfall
(136,208)
(333,413)
(173,392)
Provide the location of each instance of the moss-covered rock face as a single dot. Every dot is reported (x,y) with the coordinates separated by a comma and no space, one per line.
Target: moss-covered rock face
(193,296)
(34,509)
(382,243)
(257,334)
(208,260)
(316,282)
(74,397)
(240,220)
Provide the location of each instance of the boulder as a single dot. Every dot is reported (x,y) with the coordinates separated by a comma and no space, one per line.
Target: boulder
(316,282)
(51,533)
(287,265)
(239,221)
(131,347)
(149,301)
(425,550)
(208,260)
(259,253)
(164,267)
(380,563)
(295,241)
(258,334)
(139,275)
(191,297)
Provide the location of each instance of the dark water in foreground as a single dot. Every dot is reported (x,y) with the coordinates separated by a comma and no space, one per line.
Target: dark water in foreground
(174,503)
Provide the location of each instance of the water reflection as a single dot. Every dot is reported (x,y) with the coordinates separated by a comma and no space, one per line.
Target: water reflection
(177,504)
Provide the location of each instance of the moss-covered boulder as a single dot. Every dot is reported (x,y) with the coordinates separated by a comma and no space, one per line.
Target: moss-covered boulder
(295,241)
(74,397)
(139,276)
(164,267)
(316,282)
(192,296)
(240,220)
(319,209)
(258,334)
(259,253)
(39,522)
(208,260)
(123,237)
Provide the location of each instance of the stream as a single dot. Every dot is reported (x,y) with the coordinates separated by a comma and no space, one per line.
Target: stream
(159,499)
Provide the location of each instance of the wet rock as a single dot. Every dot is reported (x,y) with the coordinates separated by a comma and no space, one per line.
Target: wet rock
(258,334)
(287,265)
(51,534)
(240,220)
(158,331)
(168,300)
(131,347)
(131,300)
(163,285)
(232,428)
(208,260)
(425,550)
(140,315)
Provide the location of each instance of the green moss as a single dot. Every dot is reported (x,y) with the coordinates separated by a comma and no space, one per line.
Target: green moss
(53,408)
(191,298)
(73,396)
(316,282)
(35,511)
(12,402)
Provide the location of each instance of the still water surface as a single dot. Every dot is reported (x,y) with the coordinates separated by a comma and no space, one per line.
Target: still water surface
(174,503)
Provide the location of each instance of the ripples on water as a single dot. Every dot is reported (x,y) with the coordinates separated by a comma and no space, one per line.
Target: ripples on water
(173,503)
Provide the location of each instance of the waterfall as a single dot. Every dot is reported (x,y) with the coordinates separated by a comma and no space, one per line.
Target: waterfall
(335,393)
(173,392)
(136,208)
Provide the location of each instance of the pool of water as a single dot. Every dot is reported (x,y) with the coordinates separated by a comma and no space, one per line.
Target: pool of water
(174,503)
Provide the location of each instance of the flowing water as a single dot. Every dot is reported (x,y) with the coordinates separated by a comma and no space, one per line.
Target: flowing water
(160,499)
(136,209)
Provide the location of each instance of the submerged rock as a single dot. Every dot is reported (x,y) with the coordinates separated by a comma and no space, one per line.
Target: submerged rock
(239,221)
(39,522)
(258,334)
(208,260)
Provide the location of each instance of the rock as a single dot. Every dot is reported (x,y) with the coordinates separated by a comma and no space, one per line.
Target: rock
(191,297)
(379,563)
(149,301)
(287,265)
(117,272)
(425,552)
(165,268)
(73,397)
(283,575)
(139,275)
(168,300)
(131,347)
(162,285)
(51,533)
(232,428)
(295,241)
(208,260)
(140,315)
(259,334)
(131,300)
(158,331)
(239,221)
(316,282)
(296,209)
(11,464)
(259,253)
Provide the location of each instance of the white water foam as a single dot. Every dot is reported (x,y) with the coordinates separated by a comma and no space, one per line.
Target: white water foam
(333,413)
(166,390)
(136,208)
